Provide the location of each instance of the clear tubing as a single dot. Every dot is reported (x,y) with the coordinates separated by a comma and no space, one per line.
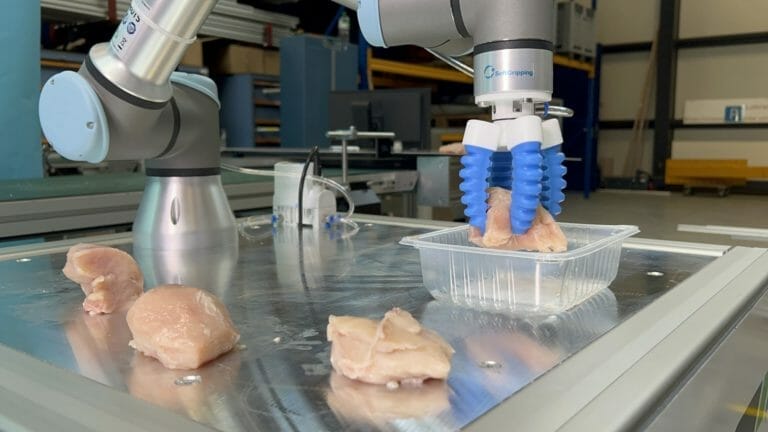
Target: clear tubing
(353,228)
(256,223)
(328,182)
(452,62)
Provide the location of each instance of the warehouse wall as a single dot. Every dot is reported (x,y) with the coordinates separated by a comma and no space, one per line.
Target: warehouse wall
(718,17)
(622,21)
(621,85)
(622,76)
(612,151)
(750,144)
(720,72)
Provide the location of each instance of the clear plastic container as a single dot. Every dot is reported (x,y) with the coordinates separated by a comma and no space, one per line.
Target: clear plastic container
(455,269)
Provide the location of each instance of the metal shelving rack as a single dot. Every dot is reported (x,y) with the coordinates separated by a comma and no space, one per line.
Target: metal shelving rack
(447,74)
(229,20)
(250,110)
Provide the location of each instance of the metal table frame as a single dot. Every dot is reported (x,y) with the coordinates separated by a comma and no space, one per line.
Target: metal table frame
(617,382)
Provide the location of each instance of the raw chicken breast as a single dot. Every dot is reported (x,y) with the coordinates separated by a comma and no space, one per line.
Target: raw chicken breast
(544,235)
(183,327)
(453,149)
(396,349)
(109,277)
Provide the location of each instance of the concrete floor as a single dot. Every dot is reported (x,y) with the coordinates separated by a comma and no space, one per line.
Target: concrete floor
(658,213)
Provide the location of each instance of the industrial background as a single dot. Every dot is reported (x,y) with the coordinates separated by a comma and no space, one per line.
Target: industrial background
(597,261)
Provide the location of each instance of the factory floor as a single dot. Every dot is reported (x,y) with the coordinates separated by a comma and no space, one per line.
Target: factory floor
(659,213)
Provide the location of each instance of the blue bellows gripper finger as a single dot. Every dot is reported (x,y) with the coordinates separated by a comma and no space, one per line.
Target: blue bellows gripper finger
(526,184)
(501,170)
(553,182)
(474,184)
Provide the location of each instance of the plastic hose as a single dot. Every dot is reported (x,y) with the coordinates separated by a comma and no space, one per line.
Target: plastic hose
(344,219)
(326,181)
(353,226)
(474,184)
(526,184)
(553,181)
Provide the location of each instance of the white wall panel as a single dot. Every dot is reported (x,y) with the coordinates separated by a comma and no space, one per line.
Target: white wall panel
(723,72)
(621,85)
(612,149)
(621,21)
(719,17)
(749,144)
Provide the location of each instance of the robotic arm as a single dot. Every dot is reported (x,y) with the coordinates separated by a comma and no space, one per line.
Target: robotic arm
(126,103)
(511,39)
(513,70)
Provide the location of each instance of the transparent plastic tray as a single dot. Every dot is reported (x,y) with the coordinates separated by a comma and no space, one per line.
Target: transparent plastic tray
(455,269)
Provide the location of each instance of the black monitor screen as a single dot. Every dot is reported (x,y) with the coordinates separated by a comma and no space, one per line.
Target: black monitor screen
(406,112)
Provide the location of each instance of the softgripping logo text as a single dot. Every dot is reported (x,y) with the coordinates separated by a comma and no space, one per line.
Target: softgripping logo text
(491,72)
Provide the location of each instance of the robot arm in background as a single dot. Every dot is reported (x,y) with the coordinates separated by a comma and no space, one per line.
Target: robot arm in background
(513,64)
(127,103)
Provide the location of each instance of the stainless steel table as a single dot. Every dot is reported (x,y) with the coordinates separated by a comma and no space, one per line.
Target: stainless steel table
(61,369)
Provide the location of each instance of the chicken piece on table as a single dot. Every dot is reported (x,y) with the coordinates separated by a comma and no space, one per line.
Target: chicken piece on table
(456,149)
(181,326)
(395,350)
(109,277)
(544,235)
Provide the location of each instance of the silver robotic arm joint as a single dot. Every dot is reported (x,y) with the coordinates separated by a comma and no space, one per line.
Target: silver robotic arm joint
(127,103)
(513,74)
(124,87)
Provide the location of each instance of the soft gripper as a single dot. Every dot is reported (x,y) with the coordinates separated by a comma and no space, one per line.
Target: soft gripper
(526,185)
(501,170)
(474,184)
(553,182)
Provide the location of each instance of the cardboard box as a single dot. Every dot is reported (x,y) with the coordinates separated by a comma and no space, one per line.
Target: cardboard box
(242,59)
(720,111)
(271,62)
(194,55)
(238,59)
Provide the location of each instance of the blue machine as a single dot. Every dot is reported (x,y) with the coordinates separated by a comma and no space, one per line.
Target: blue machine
(311,67)
(245,103)
(20,150)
